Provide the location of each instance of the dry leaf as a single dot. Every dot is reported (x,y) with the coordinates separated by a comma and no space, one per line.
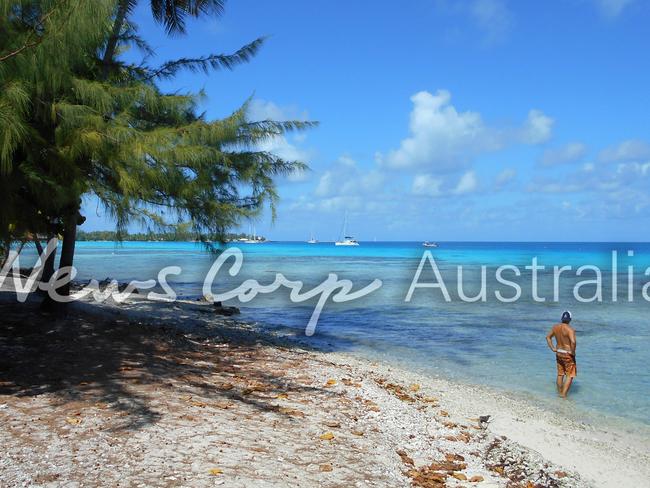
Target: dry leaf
(357,432)
(459,476)
(216,471)
(450,456)
(330,382)
(333,424)
(281,395)
(327,436)
(414,387)
(326,468)
(430,399)
(292,412)
(73,420)
(444,413)
(406,459)
(476,479)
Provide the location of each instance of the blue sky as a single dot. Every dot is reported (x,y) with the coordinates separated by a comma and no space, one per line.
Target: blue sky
(442,120)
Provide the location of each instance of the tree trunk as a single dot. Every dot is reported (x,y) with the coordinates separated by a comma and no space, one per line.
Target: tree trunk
(48,266)
(66,259)
(67,248)
(39,246)
(109,54)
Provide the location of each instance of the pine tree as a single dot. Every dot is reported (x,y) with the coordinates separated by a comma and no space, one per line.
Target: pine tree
(69,129)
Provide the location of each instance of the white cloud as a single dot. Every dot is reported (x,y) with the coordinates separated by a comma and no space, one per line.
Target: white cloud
(444,139)
(282,146)
(505,177)
(493,17)
(467,183)
(630,150)
(568,153)
(612,8)
(266,110)
(537,129)
(426,185)
(346,178)
(439,134)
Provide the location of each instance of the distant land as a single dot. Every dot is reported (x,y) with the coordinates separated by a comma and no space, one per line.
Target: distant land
(178,236)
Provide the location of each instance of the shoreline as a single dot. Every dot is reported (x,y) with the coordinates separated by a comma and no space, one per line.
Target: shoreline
(392,399)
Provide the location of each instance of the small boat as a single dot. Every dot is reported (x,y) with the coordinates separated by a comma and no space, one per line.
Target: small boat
(312,239)
(252,239)
(430,244)
(347,240)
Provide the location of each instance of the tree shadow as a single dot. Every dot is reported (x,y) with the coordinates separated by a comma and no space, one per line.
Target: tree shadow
(119,362)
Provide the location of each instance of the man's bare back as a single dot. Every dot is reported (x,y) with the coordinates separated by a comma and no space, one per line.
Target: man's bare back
(565,350)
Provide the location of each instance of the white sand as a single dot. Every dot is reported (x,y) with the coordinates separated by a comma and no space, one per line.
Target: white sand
(267,433)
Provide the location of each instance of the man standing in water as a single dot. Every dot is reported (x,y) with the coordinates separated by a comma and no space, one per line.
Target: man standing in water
(565,353)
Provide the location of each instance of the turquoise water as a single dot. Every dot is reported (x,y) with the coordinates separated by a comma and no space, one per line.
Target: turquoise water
(492,343)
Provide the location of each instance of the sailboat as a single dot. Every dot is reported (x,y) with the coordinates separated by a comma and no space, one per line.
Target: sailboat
(430,244)
(312,239)
(251,239)
(347,240)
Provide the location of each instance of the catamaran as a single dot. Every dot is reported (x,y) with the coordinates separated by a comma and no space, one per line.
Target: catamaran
(252,239)
(347,240)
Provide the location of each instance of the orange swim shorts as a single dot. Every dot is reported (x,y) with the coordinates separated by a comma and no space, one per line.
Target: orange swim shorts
(566,365)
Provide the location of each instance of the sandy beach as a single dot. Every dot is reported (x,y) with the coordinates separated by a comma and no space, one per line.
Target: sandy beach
(160,394)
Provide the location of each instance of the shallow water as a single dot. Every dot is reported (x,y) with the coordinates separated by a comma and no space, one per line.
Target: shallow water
(491,343)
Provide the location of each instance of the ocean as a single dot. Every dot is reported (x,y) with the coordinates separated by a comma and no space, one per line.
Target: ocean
(488,342)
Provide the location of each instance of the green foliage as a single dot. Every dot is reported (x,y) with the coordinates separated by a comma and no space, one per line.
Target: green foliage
(72,127)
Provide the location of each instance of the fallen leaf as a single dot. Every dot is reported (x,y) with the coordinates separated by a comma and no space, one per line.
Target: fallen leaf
(326,468)
(454,457)
(430,399)
(281,395)
(327,436)
(200,404)
(459,476)
(414,387)
(406,459)
(292,412)
(73,420)
(333,425)
(560,474)
(330,382)
(216,471)
(444,413)
(357,432)
(476,479)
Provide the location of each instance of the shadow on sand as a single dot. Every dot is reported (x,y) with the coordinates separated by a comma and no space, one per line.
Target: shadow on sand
(119,363)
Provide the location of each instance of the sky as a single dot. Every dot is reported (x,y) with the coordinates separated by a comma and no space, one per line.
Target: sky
(469,120)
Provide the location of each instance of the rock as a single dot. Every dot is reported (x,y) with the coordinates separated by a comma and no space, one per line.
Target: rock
(227,311)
